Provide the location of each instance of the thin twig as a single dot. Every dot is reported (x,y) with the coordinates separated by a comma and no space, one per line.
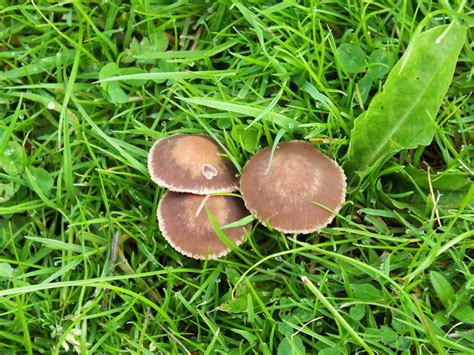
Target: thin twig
(305,325)
(197,36)
(323,140)
(435,200)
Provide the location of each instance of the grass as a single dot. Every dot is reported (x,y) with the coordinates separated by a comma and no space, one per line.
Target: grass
(83,266)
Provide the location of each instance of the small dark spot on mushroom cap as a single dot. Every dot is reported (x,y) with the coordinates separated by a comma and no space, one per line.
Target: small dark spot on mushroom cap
(209,171)
(191,163)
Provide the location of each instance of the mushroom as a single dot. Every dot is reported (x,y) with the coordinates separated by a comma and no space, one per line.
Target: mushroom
(191,163)
(185,225)
(289,194)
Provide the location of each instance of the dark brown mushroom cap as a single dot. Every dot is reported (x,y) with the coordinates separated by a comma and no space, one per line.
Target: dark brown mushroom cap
(191,163)
(185,225)
(299,175)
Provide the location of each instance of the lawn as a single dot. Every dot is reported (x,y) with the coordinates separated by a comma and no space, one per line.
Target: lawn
(87,87)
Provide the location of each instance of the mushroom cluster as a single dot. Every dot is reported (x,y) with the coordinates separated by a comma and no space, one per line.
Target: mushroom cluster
(293,189)
(191,167)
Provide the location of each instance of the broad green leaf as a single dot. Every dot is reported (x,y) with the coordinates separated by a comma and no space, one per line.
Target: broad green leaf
(464,313)
(461,301)
(401,117)
(248,137)
(33,182)
(364,87)
(450,188)
(452,199)
(6,271)
(385,334)
(440,319)
(224,122)
(42,178)
(114,90)
(357,312)
(252,339)
(367,292)
(238,305)
(402,343)
(400,325)
(301,316)
(108,71)
(116,93)
(163,67)
(352,57)
(291,345)
(155,43)
(446,180)
(379,64)
(132,71)
(285,329)
(11,160)
(232,275)
(443,289)
(7,191)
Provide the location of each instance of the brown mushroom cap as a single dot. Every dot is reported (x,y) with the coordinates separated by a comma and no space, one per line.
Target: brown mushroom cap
(299,175)
(191,163)
(185,225)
